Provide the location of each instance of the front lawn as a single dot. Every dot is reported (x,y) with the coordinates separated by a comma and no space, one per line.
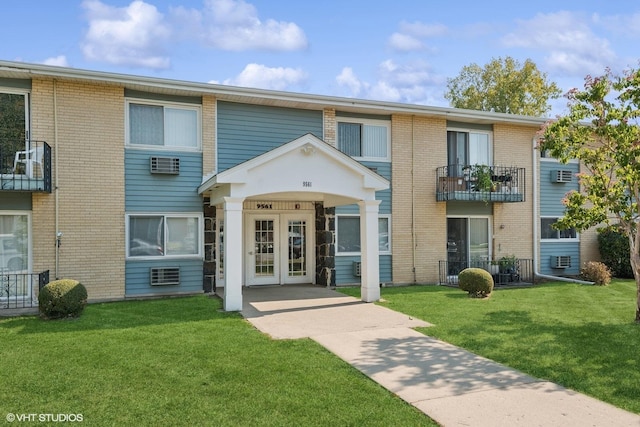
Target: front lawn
(582,337)
(182,361)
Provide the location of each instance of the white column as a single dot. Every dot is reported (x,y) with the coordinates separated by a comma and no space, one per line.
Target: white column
(370,279)
(233,254)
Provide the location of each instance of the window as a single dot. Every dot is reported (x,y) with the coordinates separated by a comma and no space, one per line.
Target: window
(14,242)
(468,148)
(164,235)
(548,232)
(171,125)
(366,139)
(348,234)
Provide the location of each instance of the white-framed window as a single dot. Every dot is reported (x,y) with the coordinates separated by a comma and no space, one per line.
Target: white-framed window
(168,125)
(348,234)
(365,139)
(548,233)
(164,235)
(15,241)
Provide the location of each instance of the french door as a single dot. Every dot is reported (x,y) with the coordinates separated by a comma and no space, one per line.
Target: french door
(279,249)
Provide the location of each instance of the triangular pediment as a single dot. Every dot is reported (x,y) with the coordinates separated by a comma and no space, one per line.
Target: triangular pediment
(306,168)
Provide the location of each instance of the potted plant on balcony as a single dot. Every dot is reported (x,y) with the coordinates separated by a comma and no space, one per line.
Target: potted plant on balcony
(481,175)
(508,264)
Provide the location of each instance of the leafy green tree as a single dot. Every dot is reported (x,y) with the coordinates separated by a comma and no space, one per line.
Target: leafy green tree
(503,86)
(601,130)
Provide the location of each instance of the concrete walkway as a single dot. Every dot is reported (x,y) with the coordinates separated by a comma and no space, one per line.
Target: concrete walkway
(452,386)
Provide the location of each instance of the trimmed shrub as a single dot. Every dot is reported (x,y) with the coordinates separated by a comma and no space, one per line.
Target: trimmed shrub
(614,251)
(476,281)
(596,272)
(62,298)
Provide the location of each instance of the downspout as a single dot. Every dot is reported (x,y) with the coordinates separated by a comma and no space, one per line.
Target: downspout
(413,204)
(56,174)
(535,223)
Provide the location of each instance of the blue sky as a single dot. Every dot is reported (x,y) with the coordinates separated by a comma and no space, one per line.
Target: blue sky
(400,51)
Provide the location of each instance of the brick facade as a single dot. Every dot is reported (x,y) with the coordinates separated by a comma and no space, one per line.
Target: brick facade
(87,137)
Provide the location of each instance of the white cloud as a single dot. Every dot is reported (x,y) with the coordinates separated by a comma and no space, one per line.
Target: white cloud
(260,76)
(412,34)
(347,78)
(419,29)
(626,25)
(573,47)
(409,83)
(60,61)
(404,42)
(234,25)
(135,35)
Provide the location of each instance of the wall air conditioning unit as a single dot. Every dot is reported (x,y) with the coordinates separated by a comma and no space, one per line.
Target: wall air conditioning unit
(563,261)
(164,276)
(561,176)
(164,165)
(357,268)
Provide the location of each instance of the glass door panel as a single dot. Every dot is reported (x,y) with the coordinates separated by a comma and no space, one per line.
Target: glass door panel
(457,245)
(13,128)
(479,240)
(297,250)
(263,251)
(264,248)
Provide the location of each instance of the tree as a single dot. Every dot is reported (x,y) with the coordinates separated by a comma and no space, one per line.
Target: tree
(502,86)
(601,130)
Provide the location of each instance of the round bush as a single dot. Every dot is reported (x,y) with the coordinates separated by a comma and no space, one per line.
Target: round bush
(476,281)
(62,298)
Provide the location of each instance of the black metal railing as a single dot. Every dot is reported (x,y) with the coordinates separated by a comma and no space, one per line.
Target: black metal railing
(480,183)
(18,290)
(506,272)
(27,168)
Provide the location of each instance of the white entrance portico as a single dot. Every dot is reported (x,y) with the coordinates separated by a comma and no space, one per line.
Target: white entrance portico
(304,170)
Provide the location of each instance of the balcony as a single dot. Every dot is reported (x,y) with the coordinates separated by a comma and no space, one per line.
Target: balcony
(503,184)
(19,290)
(505,273)
(25,170)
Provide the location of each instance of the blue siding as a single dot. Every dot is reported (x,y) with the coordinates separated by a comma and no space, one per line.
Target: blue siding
(549,249)
(384,170)
(552,193)
(246,131)
(344,269)
(147,192)
(137,277)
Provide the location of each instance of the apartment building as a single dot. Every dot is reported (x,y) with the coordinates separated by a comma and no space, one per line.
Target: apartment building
(140,186)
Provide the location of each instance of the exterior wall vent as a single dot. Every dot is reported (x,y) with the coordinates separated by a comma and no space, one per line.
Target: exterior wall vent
(164,165)
(165,276)
(563,261)
(561,176)
(357,268)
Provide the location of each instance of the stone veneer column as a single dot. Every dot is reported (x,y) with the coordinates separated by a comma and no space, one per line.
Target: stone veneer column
(209,266)
(325,246)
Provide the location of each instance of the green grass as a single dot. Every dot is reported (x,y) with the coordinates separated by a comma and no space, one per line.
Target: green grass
(179,362)
(582,337)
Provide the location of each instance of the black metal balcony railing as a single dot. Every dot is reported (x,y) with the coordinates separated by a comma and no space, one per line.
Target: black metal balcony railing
(480,183)
(505,273)
(18,290)
(26,169)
